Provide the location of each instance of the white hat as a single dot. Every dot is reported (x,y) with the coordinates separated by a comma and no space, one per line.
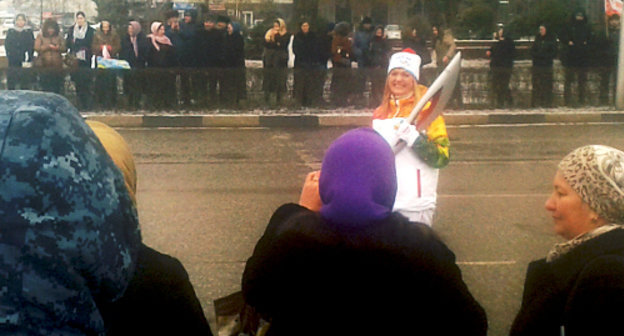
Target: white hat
(406,60)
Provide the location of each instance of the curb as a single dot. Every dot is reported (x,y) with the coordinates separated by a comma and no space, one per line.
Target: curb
(349,120)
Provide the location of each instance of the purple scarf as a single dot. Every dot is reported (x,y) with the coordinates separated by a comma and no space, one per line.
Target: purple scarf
(358,179)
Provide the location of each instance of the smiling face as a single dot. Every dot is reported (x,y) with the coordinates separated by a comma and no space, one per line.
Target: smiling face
(571,216)
(542,31)
(20,22)
(105,26)
(161,30)
(401,82)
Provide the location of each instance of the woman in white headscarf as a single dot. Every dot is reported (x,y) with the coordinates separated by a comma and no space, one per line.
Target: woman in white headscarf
(79,41)
(161,57)
(578,289)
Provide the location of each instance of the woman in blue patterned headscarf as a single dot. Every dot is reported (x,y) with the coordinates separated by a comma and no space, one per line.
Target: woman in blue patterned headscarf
(69,234)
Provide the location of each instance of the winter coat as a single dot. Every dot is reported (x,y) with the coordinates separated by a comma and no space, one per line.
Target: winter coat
(160,300)
(70,235)
(503,53)
(361,46)
(17,44)
(212,48)
(577,54)
(341,51)
(580,293)
(379,52)
(544,50)
(306,49)
(444,45)
(111,40)
(49,58)
(234,50)
(187,49)
(163,58)
(127,51)
(391,277)
(276,51)
(77,46)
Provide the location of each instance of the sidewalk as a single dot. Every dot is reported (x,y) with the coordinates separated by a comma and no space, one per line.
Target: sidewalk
(346,118)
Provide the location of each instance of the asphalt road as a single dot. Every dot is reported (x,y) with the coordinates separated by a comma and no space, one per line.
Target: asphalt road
(205,196)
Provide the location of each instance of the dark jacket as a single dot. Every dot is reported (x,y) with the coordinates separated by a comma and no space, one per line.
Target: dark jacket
(379,52)
(234,50)
(306,49)
(544,50)
(188,49)
(160,300)
(388,278)
(419,45)
(276,52)
(503,53)
(583,291)
(127,51)
(163,58)
(361,46)
(17,44)
(75,46)
(579,33)
(212,48)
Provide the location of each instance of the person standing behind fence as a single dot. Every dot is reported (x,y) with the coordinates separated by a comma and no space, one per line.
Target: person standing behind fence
(444,47)
(161,60)
(50,46)
(362,55)
(342,75)
(604,57)
(19,46)
(134,49)
(415,41)
(234,81)
(543,51)
(575,41)
(79,41)
(501,54)
(275,61)
(379,54)
(188,56)
(106,44)
(307,67)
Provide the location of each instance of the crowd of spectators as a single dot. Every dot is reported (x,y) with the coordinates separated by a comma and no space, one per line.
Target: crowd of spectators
(199,62)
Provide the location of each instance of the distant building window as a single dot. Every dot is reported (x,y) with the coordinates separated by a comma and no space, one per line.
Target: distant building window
(247,18)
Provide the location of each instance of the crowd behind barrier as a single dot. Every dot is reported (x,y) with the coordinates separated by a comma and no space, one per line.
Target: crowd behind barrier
(474,83)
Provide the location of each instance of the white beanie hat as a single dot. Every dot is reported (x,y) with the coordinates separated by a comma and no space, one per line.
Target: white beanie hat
(406,60)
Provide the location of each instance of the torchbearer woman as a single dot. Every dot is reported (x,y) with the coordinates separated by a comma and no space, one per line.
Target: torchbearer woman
(427,145)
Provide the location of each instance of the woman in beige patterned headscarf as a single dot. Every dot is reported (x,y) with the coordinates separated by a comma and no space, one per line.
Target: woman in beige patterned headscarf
(578,289)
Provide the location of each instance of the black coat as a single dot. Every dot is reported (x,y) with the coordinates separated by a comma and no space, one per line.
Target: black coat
(503,53)
(159,300)
(583,291)
(211,45)
(577,54)
(163,58)
(127,51)
(388,278)
(544,50)
(234,50)
(17,44)
(78,45)
(379,52)
(306,48)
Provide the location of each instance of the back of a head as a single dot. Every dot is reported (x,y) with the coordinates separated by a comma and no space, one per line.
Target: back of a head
(69,230)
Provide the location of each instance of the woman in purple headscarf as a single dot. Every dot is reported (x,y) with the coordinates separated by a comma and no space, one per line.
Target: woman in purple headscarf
(355,267)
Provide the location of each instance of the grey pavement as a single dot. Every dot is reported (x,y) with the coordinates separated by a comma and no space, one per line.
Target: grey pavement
(345,117)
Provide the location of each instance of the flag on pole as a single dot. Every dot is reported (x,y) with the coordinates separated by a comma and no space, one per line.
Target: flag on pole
(613,7)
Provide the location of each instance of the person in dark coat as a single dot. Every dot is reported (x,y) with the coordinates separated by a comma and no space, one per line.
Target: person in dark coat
(79,40)
(307,65)
(543,51)
(604,58)
(414,40)
(501,54)
(342,263)
(160,299)
(575,43)
(19,45)
(134,49)
(162,62)
(187,53)
(326,37)
(275,61)
(362,55)
(379,56)
(234,79)
(578,289)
